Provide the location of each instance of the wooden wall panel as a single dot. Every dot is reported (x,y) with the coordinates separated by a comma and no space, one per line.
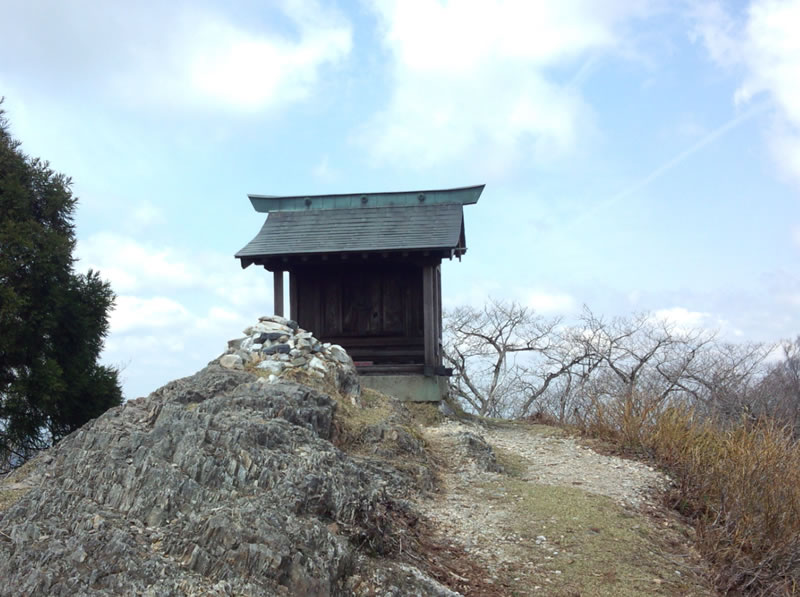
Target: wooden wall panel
(394,311)
(331,292)
(374,311)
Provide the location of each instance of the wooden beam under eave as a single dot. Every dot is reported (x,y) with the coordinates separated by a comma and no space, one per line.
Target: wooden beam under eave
(277,287)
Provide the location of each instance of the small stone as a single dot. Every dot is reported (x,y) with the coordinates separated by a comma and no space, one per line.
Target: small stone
(339,353)
(298,361)
(317,363)
(274,319)
(231,361)
(277,349)
(273,367)
(267,327)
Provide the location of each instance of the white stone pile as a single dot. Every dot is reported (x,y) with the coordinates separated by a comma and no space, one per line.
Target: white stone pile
(277,345)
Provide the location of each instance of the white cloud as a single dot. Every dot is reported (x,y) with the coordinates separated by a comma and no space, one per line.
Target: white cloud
(222,319)
(717,29)
(132,312)
(222,63)
(685,321)
(550,303)
(479,75)
(130,265)
(682,318)
(143,269)
(176,54)
(766,45)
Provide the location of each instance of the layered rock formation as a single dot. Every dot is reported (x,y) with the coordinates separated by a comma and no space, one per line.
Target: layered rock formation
(222,483)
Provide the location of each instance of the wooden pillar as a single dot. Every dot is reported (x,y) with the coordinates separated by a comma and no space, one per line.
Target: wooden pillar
(429,317)
(277,287)
(438,314)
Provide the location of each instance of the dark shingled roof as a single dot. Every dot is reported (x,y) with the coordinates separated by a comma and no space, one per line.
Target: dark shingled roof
(412,228)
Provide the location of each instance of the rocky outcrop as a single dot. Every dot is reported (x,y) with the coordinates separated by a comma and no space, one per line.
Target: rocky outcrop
(222,483)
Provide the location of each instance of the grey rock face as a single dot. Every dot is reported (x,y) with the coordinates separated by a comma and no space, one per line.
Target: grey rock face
(475,449)
(215,484)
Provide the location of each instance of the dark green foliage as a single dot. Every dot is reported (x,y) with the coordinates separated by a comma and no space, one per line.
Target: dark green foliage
(52,320)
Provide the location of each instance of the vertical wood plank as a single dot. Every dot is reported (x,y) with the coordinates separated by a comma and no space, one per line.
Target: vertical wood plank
(350,296)
(277,287)
(414,303)
(438,314)
(372,322)
(311,291)
(393,304)
(294,299)
(429,317)
(331,306)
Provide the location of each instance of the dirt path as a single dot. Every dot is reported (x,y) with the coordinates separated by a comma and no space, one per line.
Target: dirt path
(560,519)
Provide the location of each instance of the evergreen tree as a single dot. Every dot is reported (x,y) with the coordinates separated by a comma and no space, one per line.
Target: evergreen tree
(52,320)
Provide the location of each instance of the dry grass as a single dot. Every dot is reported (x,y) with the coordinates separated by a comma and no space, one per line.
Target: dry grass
(742,485)
(351,419)
(739,483)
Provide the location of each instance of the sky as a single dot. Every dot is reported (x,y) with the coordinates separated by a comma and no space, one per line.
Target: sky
(638,156)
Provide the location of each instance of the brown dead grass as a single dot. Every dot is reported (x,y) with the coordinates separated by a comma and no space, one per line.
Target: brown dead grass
(739,483)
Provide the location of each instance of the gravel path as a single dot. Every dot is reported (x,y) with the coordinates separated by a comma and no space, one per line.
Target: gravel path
(472,510)
(563,461)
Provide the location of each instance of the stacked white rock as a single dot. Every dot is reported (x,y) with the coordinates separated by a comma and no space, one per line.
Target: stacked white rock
(277,345)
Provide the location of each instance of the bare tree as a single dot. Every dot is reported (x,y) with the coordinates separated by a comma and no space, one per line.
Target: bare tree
(509,361)
(778,393)
(724,381)
(644,354)
(638,365)
(505,357)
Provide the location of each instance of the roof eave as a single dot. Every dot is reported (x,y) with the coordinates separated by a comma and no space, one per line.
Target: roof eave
(459,196)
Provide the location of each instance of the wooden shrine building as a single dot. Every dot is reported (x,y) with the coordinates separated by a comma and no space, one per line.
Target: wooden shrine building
(364,272)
